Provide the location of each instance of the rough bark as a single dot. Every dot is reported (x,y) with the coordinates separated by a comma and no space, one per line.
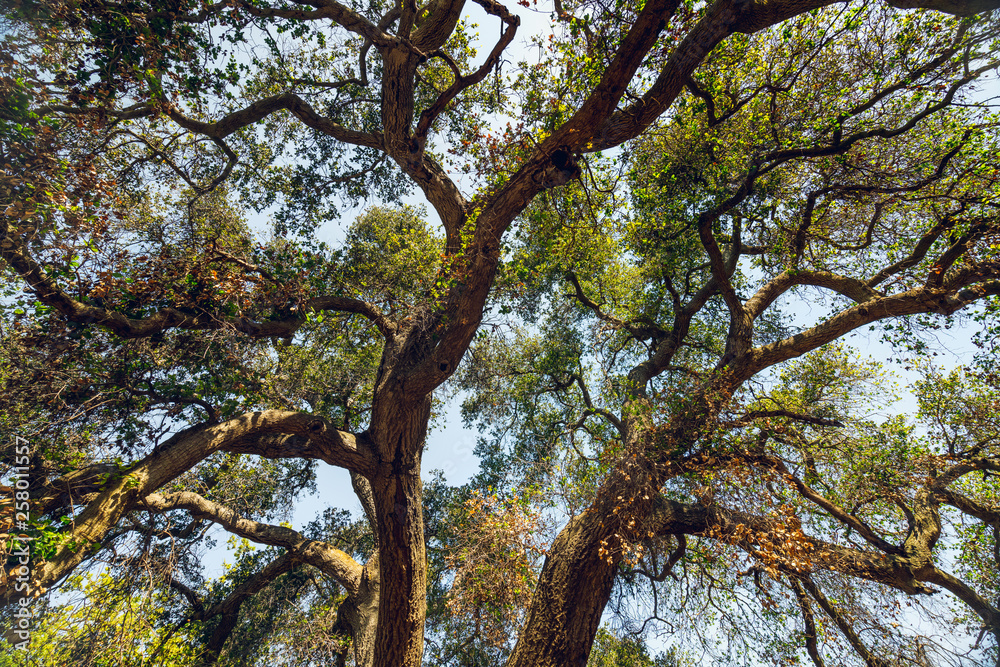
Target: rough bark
(396,487)
(357,616)
(572,591)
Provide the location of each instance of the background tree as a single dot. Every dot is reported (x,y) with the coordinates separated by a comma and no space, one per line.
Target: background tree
(679,175)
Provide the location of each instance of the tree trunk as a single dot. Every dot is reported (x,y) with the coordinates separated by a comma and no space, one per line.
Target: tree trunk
(571,594)
(580,568)
(579,572)
(398,432)
(358,615)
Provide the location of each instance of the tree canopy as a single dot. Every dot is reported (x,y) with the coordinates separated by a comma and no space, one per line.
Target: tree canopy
(648,234)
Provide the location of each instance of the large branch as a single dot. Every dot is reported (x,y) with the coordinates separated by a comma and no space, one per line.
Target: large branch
(955,295)
(812,647)
(578,131)
(461,83)
(985,513)
(177,455)
(749,531)
(956,7)
(722,19)
(233,121)
(853,289)
(939,487)
(434,29)
(323,9)
(325,557)
(262,108)
(640,375)
(986,611)
(74,488)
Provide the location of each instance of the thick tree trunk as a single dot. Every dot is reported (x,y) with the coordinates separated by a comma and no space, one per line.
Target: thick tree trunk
(398,430)
(574,588)
(402,571)
(579,572)
(580,568)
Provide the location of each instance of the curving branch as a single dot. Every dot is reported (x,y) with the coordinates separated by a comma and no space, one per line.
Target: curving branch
(579,131)
(961,290)
(724,18)
(260,109)
(637,329)
(987,514)
(435,22)
(920,250)
(322,9)
(341,451)
(233,121)
(754,415)
(738,338)
(74,488)
(229,608)
(356,615)
(986,611)
(956,7)
(747,531)
(461,83)
(853,289)
(199,190)
(323,556)
(941,268)
(124,490)
(609,416)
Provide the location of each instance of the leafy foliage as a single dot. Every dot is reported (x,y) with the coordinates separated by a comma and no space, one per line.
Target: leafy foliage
(649,241)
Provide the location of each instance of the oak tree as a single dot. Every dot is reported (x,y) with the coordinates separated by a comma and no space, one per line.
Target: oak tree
(622,229)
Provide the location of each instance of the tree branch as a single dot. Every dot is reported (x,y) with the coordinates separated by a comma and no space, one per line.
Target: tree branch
(766,414)
(262,108)
(807,617)
(13,249)
(180,453)
(843,623)
(328,559)
(324,9)
(831,508)
(745,530)
(853,289)
(461,83)
(919,300)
